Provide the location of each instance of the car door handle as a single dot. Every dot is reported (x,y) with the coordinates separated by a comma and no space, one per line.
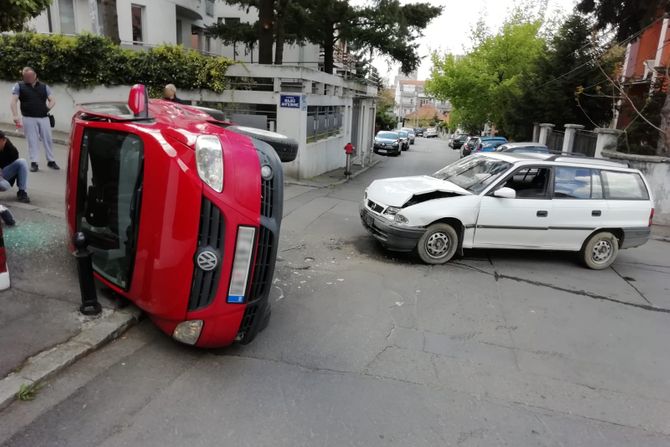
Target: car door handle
(542,213)
(596,213)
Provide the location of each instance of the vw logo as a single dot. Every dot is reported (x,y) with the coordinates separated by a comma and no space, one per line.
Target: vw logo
(207,260)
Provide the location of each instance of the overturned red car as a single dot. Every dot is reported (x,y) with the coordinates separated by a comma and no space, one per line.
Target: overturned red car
(181,211)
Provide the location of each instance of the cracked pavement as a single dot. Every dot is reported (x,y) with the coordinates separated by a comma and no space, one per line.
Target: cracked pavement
(368,348)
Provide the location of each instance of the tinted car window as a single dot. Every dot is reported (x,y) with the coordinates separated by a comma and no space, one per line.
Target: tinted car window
(572,183)
(596,185)
(529,183)
(388,135)
(624,186)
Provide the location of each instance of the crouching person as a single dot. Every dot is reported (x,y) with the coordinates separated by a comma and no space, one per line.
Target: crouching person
(13,169)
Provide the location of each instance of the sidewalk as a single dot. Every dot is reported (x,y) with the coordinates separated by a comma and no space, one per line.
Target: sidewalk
(58,137)
(41,329)
(334,177)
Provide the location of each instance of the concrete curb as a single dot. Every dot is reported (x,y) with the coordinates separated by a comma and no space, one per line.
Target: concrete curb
(335,182)
(56,140)
(95,333)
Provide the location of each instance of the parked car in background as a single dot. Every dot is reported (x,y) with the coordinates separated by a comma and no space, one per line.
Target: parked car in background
(404,140)
(457,141)
(387,142)
(410,132)
(431,132)
(418,131)
(523,147)
(489,144)
(470,143)
(513,200)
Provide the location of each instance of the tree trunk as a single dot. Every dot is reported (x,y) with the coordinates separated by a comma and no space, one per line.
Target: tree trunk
(280,31)
(279,41)
(328,51)
(266,15)
(110,20)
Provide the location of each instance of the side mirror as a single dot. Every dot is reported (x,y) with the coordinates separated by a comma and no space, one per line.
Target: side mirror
(505,193)
(138,101)
(285,147)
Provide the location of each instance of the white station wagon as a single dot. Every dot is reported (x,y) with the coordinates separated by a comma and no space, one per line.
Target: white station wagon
(513,200)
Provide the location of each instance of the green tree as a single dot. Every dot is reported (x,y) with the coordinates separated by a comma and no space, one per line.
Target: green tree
(482,83)
(385,119)
(15,13)
(565,84)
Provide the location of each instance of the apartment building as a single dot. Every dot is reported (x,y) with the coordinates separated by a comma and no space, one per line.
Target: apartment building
(410,97)
(147,23)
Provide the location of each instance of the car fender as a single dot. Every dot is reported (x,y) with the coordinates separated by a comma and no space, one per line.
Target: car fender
(463,208)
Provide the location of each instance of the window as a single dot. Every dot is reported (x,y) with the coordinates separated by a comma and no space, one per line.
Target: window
(209,7)
(110,192)
(529,183)
(66,13)
(324,122)
(573,183)
(624,186)
(138,23)
(180,33)
(473,173)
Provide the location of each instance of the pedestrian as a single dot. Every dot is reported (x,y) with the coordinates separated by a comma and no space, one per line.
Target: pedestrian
(36,101)
(170,94)
(13,169)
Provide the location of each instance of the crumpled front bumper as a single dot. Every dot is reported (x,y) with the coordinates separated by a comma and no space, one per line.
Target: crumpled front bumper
(391,236)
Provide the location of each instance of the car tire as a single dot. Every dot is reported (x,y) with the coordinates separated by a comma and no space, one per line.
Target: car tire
(438,244)
(600,250)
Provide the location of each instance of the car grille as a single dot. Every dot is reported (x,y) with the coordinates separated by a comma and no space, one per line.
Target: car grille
(212,230)
(267,195)
(263,267)
(377,208)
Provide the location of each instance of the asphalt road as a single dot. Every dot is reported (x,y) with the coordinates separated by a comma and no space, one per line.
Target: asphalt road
(367,348)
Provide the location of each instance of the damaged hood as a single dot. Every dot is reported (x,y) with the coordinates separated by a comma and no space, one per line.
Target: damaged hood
(398,191)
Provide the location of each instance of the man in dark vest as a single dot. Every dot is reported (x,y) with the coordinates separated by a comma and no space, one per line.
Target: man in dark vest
(36,100)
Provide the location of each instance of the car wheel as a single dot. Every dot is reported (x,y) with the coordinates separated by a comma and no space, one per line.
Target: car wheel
(600,250)
(438,244)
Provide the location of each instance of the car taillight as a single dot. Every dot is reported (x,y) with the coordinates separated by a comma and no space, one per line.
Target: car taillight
(651,217)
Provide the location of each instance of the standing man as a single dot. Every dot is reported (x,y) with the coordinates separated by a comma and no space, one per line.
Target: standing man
(12,169)
(36,101)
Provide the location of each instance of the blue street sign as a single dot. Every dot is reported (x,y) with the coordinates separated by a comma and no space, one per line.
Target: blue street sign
(289,101)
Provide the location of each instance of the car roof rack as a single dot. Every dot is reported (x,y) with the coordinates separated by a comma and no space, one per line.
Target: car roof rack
(577,157)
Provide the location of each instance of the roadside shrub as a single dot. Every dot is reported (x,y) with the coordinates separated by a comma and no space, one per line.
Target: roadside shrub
(87,60)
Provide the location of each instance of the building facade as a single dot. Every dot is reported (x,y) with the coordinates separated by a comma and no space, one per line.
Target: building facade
(148,23)
(411,99)
(644,69)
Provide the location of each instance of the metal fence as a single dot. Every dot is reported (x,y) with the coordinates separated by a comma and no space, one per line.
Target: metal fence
(324,122)
(585,143)
(555,140)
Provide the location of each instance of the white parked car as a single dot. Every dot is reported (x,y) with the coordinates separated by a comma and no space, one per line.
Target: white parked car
(431,132)
(513,200)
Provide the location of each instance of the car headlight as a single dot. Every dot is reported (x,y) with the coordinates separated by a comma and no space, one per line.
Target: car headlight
(391,211)
(395,144)
(209,160)
(399,218)
(365,195)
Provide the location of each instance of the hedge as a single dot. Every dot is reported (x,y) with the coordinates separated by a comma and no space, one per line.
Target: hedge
(87,60)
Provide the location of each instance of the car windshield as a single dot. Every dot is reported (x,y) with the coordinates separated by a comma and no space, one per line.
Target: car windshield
(473,173)
(388,135)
